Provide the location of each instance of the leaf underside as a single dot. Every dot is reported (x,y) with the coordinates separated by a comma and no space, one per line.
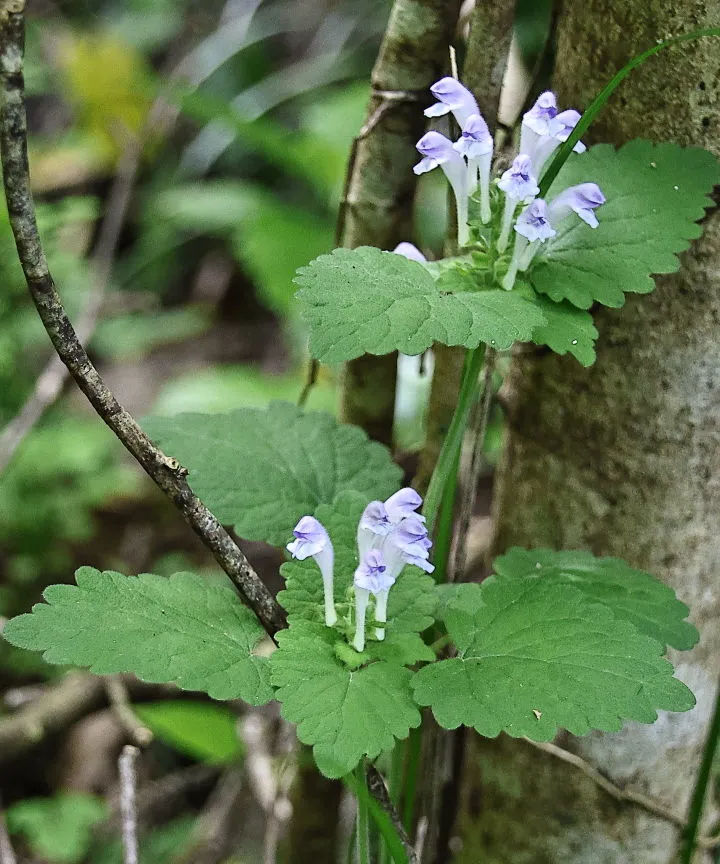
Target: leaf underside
(260,470)
(534,657)
(179,630)
(655,195)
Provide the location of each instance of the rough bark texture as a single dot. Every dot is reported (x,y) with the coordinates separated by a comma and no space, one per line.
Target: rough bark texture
(622,459)
(377,210)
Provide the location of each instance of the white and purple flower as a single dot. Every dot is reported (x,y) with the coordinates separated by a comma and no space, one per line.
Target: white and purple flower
(452,97)
(390,535)
(438,152)
(519,185)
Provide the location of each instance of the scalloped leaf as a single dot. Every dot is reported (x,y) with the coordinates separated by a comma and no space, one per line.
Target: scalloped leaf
(634,595)
(180,630)
(260,470)
(534,657)
(656,194)
(410,604)
(344,714)
(365,301)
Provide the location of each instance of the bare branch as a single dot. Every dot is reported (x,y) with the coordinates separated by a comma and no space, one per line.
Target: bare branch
(127,765)
(119,700)
(166,472)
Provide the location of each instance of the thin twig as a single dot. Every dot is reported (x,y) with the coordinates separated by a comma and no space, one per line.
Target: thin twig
(477,428)
(63,704)
(214,829)
(7,853)
(127,765)
(167,473)
(378,789)
(120,703)
(650,805)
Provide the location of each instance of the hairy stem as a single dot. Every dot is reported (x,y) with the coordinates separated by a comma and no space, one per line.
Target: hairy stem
(166,472)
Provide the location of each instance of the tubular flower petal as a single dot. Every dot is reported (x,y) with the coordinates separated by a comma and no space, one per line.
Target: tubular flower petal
(476,144)
(371,577)
(312,541)
(582,199)
(437,151)
(408,250)
(519,184)
(403,503)
(533,228)
(452,96)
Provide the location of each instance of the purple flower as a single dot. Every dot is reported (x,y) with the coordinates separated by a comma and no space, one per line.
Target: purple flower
(452,96)
(437,151)
(565,122)
(312,541)
(411,537)
(476,144)
(539,118)
(374,524)
(371,577)
(583,200)
(519,182)
(403,503)
(534,223)
(407,250)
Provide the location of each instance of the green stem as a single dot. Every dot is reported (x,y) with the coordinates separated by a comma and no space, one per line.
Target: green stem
(414,748)
(363,820)
(443,538)
(453,440)
(701,784)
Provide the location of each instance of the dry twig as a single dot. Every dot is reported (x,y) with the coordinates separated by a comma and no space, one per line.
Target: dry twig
(127,765)
(119,700)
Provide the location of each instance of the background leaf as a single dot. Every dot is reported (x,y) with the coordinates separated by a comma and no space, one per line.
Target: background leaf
(363,300)
(60,828)
(535,656)
(201,730)
(261,470)
(344,714)
(655,196)
(180,630)
(634,595)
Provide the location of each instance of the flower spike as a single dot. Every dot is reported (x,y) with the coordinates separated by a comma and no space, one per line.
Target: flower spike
(437,151)
(452,96)
(312,541)
(403,503)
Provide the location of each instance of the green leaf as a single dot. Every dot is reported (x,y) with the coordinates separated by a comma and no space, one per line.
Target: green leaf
(633,595)
(261,470)
(344,714)
(360,301)
(180,630)
(202,730)
(534,656)
(567,329)
(655,196)
(57,829)
(410,604)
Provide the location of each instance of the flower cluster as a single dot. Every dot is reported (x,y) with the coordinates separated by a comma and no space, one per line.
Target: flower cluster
(390,535)
(467,165)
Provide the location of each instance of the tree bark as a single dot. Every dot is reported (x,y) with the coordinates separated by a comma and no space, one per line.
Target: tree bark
(377,210)
(622,459)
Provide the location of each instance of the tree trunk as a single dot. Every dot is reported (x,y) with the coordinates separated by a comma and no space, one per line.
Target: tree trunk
(377,210)
(622,459)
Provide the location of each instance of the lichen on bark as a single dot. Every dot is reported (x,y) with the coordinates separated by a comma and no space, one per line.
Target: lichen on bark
(621,459)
